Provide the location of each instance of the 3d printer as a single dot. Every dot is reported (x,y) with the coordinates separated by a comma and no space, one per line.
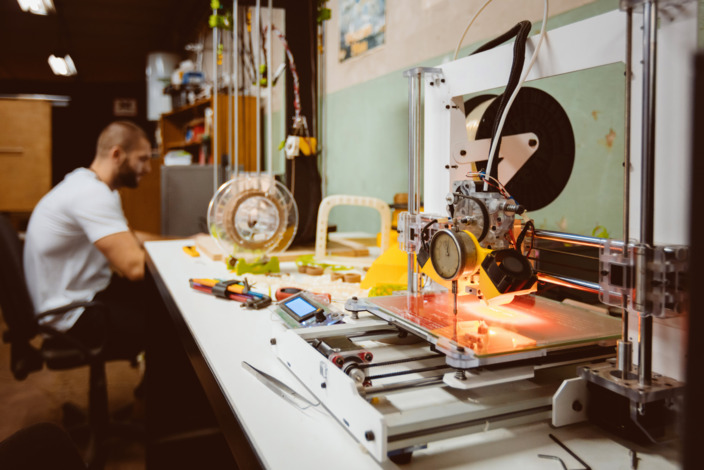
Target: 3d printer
(494,353)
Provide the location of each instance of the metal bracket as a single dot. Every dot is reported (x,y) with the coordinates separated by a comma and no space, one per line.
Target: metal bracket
(663,5)
(615,272)
(668,293)
(609,376)
(569,404)
(665,271)
(466,380)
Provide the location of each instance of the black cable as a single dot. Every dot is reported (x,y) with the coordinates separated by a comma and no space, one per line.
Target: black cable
(519,52)
(520,31)
(519,240)
(424,239)
(558,442)
(499,39)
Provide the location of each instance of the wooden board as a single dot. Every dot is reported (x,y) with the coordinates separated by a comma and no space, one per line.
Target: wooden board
(207,246)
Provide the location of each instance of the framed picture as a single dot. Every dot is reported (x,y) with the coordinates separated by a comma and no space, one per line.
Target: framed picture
(124,107)
(362,26)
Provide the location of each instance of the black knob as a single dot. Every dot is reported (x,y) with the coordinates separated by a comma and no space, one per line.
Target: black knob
(320,315)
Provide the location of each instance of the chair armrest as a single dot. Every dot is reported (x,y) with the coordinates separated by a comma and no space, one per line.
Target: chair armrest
(67,308)
(93,354)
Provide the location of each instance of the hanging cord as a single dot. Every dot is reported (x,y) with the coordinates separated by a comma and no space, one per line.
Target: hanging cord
(300,127)
(495,141)
(251,47)
(516,31)
(520,32)
(519,241)
(424,235)
(245,72)
(498,130)
(469,25)
(298,123)
(263,61)
(492,182)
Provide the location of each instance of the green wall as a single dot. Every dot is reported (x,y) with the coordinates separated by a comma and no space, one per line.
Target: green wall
(367,142)
(592,201)
(700,17)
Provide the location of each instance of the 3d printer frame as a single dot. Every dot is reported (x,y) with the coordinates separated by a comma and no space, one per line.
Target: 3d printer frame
(637,276)
(388,418)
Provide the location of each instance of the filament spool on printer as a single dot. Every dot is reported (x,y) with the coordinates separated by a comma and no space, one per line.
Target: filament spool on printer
(253,214)
(542,178)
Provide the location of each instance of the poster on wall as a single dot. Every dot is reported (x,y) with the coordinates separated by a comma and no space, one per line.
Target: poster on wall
(124,107)
(362,26)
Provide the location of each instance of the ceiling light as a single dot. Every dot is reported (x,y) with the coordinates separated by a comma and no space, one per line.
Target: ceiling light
(62,65)
(38,7)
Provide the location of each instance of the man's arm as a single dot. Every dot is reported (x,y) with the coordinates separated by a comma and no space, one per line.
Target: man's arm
(125,253)
(151,237)
(148,237)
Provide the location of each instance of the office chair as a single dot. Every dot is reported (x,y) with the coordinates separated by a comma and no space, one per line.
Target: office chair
(58,351)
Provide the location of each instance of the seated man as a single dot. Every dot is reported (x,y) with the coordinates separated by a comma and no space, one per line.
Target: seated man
(78,235)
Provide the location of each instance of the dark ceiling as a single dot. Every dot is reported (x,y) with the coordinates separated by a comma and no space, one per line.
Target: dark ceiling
(107,39)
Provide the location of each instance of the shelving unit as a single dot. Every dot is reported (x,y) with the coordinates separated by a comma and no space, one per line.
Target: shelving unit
(143,205)
(174,128)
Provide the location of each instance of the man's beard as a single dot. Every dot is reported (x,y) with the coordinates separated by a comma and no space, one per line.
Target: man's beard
(126,177)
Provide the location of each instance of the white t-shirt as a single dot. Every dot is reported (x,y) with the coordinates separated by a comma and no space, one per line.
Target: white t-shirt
(61,263)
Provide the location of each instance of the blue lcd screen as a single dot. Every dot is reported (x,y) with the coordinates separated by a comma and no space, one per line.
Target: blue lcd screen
(300,307)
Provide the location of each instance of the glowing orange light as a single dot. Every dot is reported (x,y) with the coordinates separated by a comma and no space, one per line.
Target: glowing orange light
(526,323)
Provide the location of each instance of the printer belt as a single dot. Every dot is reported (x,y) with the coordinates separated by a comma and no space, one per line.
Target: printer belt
(406,372)
(401,361)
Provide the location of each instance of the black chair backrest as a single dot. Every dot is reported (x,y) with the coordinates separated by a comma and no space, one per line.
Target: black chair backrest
(15,302)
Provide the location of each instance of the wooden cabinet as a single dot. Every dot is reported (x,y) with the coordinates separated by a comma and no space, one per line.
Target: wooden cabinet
(25,153)
(143,205)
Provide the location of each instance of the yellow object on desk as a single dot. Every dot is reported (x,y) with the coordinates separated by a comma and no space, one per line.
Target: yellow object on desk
(191,251)
(389,268)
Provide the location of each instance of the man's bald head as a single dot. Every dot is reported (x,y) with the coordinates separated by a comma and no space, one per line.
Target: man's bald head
(123,134)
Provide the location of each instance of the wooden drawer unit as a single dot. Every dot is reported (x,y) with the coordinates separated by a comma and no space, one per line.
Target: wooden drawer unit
(25,153)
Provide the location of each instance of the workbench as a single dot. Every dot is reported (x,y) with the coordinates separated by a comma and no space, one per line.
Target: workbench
(259,428)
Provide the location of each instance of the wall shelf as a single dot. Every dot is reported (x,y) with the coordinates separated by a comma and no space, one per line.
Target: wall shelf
(143,206)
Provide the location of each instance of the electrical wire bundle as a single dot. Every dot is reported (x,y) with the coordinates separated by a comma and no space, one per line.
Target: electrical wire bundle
(299,122)
(233,289)
(521,32)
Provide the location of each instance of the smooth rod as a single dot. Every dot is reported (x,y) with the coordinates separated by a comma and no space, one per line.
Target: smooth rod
(414,138)
(645,327)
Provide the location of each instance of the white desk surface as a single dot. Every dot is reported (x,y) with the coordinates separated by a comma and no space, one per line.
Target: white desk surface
(285,437)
